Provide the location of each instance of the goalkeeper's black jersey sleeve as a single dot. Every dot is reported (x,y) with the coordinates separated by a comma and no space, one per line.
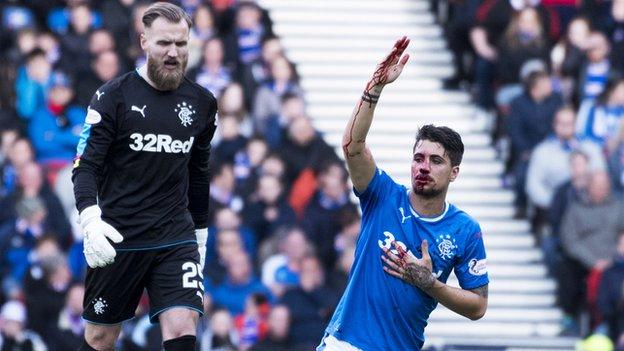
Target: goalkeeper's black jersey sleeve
(143,158)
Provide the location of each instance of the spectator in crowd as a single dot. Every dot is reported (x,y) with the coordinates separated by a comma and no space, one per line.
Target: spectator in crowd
(279,331)
(232,102)
(258,71)
(247,163)
(492,19)
(49,280)
(588,236)
(203,31)
(31,83)
(18,237)
(222,191)
(311,304)
(274,165)
(100,40)
(70,323)
(601,119)
(13,334)
(281,270)
(523,40)
(231,141)
(74,58)
(220,335)
(321,218)
(457,28)
(529,122)
(117,18)
(229,242)
(292,107)
(104,67)
(243,42)
(574,190)
(568,56)
(339,276)
(611,294)
(31,184)
(55,127)
(251,325)
(46,247)
(596,69)
(549,165)
(267,209)
(616,162)
(614,27)
(283,80)
(50,44)
(304,148)
(350,224)
(210,73)
(228,219)
(8,172)
(239,283)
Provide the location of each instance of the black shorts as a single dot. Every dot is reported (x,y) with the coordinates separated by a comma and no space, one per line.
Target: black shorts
(171,276)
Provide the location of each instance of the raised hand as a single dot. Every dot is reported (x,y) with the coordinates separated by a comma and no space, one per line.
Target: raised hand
(391,67)
(414,271)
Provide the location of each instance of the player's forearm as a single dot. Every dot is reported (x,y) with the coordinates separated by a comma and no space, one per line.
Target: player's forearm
(471,304)
(85,185)
(354,136)
(199,185)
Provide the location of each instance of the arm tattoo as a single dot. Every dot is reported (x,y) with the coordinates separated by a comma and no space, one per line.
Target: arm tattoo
(481,291)
(418,276)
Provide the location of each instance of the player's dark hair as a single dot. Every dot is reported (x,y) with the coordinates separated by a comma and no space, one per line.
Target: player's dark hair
(170,12)
(445,136)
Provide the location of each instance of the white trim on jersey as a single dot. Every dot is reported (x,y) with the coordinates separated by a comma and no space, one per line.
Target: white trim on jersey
(429,219)
(332,344)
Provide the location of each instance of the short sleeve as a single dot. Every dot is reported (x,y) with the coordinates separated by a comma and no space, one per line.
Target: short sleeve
(377,190)
(471,268)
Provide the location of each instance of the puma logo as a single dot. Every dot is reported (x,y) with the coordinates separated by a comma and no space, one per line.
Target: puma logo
(139,110)
(99,94)
(403,215)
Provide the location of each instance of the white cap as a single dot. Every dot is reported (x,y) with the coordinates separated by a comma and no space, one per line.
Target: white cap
(13,311)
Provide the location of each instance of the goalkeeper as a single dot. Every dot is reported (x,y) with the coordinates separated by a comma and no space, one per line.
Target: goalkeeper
(141,185)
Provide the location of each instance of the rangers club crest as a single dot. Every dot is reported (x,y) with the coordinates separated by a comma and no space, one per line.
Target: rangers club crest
(446,246)
(99,305)
(185,113)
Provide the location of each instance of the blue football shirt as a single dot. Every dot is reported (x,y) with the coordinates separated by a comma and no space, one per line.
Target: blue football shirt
(380,312)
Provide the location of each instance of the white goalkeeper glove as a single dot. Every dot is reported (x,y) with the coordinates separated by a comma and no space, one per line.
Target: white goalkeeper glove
(97,249)
(202,237)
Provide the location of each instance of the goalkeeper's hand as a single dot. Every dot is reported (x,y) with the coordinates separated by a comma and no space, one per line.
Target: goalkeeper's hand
(202,238)
(97,249)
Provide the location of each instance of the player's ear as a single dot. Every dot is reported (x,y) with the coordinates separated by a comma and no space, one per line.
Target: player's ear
(454,173)
(143,41)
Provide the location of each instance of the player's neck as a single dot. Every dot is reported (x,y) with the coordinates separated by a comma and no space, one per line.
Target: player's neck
(143,73)
(428,206)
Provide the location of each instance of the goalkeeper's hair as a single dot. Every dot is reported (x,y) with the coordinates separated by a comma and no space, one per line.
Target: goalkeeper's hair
(172,13)
(445,136)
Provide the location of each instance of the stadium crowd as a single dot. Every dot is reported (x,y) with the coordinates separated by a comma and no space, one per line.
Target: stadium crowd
(551,72)
(283,226)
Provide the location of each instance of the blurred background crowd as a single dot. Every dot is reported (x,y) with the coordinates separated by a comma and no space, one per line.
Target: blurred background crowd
(550,73)
(283,226)
(283,223)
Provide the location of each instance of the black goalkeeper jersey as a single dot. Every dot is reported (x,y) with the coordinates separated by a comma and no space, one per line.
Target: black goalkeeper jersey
(143,158)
